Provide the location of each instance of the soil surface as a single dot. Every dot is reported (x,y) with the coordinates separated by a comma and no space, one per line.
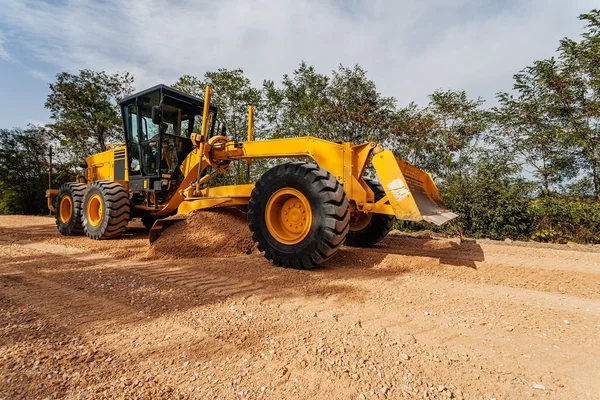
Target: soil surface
(202,314)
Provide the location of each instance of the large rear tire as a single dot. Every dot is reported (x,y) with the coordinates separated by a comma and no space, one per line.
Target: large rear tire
(370,229)
(68,209)
(298,215)
(106,210)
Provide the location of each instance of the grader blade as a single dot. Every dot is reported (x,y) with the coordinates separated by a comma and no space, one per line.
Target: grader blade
(160,225)
(410,191)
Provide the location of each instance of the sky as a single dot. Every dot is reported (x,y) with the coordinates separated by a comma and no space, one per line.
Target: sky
(409,48)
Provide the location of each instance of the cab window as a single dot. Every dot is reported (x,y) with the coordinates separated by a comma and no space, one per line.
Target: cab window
(131,131)
(131,128)
(181,119)
(176,120)
(197,126)
(149,131)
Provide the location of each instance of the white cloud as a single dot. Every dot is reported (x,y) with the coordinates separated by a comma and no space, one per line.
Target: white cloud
(3,53)
(409,48)
(38,74)
(34,73)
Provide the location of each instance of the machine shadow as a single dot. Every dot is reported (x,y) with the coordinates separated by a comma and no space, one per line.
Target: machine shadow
(446,251)
(39,233)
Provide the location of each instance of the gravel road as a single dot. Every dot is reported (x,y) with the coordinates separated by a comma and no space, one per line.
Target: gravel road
(203,315)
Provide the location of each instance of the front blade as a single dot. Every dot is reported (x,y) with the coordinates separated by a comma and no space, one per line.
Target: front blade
(410,191)
(160,225)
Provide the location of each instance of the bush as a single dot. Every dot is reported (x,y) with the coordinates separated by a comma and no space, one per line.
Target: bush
(24,171)
(563,219)
(508,214)
(9,201)
(489,199)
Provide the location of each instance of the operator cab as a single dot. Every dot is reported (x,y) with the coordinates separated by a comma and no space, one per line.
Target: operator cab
(158,123)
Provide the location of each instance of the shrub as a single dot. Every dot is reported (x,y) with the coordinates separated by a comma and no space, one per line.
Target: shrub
(562,219)
(489,199)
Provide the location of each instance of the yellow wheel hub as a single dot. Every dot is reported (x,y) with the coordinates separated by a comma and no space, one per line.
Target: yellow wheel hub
(65,209)
(288,216)
(94,210)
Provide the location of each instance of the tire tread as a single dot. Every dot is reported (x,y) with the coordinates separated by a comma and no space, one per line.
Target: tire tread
(333,229)
(116,205)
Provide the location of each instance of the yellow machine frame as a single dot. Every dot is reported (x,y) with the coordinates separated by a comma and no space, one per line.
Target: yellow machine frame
(410,193)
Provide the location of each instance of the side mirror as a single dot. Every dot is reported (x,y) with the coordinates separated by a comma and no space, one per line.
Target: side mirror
(156,115)
(223,130)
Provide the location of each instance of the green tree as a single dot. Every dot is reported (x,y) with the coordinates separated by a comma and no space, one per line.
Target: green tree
(343,107)
(297,108)
(439,138)
(491,197)
(85,109)
(232,92)
(458,123)
(272,110)
(576,92)
(526,124)
(23,170)
(354,111)
(411,135)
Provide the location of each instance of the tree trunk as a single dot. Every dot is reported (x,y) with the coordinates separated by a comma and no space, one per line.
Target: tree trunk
(101,141)
(545,175)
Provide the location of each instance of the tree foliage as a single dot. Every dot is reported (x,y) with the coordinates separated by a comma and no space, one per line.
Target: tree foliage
(345,107)
(232,92)
(439,138)
(354,111)
(298,105)
(23,170)
(85,109)
(24,165)
(490,197)
(527,126)
(576,93)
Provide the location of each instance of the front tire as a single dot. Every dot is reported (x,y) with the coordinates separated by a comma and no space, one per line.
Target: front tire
(106,210)
(370,229)
(68,209)
(298,215)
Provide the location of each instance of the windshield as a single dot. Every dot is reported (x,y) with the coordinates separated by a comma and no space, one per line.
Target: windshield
(181,119)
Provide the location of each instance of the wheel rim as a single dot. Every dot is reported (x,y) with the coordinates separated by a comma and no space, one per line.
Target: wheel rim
(65,209)
(288,216)
(361,222)
(94,210)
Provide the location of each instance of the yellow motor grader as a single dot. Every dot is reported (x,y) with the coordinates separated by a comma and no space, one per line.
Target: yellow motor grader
(300,213)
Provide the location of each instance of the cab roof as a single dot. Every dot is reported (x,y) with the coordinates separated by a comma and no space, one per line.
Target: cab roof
(169,91)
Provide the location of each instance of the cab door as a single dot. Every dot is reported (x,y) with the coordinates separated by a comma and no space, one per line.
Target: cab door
(131,128)
(149,136)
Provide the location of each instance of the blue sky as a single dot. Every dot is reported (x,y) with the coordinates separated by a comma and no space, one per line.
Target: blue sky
(409,48)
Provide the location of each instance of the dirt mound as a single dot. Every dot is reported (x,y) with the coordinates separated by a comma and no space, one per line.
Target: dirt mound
(213,233)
